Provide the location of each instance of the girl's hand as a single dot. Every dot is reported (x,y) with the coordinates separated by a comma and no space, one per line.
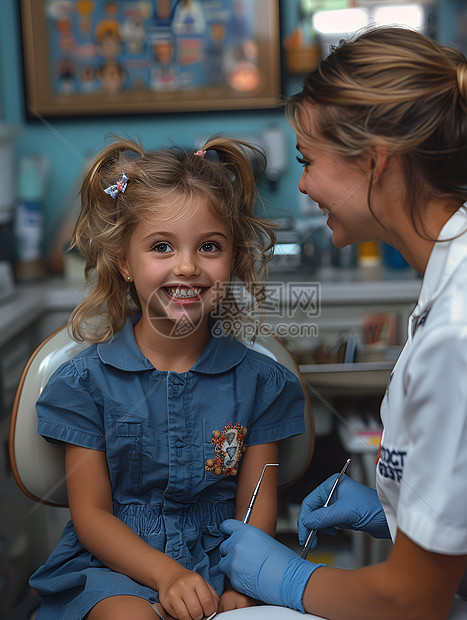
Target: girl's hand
(185,595)
(231,599)
(161,612)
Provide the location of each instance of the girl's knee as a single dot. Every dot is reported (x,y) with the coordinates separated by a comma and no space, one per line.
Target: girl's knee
(123,607)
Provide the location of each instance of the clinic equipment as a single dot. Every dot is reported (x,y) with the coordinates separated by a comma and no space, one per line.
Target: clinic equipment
(312,534)
(248,511)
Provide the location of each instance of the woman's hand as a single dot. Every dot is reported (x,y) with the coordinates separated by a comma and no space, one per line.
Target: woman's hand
(185,595)
(262,567)
(354,506)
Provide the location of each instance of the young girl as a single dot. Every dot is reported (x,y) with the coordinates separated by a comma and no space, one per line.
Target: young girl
(166,427)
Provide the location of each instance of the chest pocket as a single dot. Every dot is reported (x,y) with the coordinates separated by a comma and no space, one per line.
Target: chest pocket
(129,444)
(223,449)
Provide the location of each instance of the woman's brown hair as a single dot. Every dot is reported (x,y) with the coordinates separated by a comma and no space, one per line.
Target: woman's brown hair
(397,87)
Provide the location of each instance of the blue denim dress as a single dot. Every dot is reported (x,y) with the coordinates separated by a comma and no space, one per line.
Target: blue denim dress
(173,443)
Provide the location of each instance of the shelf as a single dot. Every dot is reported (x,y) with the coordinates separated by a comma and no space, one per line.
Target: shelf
(358,375)
(360,285)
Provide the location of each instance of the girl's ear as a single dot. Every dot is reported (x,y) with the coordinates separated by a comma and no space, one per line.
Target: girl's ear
(123,268)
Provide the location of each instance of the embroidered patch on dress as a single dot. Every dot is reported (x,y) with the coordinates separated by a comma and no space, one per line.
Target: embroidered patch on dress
(229,449)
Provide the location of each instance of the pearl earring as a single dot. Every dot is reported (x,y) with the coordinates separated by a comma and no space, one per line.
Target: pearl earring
(128,278)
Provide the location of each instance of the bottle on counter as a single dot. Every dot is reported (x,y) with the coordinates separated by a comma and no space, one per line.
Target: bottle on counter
(7,195)
(368,254)
(29,219)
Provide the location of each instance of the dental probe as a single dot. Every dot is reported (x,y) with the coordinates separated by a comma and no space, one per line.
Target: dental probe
(312,534)
(247,515)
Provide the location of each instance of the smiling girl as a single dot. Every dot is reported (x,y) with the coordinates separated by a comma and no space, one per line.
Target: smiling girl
(166,427)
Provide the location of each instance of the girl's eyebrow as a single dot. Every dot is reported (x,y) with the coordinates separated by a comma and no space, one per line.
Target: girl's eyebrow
(158,234)
(214,233)
(168,235)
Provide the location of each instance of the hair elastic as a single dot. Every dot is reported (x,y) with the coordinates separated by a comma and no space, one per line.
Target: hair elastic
(120,186)
(200,153)
(462,79)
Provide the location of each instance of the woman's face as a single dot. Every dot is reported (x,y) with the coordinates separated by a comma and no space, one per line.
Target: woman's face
(339,186)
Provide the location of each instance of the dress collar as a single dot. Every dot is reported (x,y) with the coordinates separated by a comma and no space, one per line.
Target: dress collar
(221,353)
(444,259)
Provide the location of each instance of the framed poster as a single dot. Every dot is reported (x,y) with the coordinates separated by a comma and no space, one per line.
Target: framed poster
(101,57)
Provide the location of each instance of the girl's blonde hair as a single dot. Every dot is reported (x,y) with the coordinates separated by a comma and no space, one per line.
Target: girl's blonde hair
(224,177)
(396,87)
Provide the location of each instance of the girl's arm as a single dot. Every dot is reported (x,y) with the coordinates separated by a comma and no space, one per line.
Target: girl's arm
(264,515)
(411,584)
(183,593)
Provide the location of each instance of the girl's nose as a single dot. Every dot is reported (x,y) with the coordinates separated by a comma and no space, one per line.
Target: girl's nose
(186,265)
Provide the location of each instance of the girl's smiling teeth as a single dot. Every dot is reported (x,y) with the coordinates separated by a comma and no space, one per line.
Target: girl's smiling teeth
(184,292)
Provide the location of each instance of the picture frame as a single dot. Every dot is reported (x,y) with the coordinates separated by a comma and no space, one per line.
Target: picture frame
(101,58)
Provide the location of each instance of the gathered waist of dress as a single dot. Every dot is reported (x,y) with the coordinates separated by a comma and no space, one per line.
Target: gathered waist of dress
(196,514)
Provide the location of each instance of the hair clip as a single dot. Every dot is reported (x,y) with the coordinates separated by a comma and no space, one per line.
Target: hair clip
(200,153)
(120,186)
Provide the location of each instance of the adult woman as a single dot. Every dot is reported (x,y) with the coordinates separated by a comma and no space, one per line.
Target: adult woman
(381,126)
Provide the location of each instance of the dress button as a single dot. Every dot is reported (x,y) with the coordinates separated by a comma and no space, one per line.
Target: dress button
(179,445)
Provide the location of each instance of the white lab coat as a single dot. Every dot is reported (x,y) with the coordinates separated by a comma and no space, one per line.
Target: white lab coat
(421,475)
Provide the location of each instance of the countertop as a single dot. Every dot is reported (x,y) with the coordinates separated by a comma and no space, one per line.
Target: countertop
(375,284)
(32,301)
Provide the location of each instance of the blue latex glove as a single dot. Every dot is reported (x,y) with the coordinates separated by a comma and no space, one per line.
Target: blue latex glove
(262,567)
(353,506)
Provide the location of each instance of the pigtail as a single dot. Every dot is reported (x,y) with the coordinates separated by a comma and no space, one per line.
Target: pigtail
(237,156)
(253,237)
(100,234)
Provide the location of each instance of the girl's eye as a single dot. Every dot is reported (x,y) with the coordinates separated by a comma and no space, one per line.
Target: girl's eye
(302,161)
(161,247)
(209,246)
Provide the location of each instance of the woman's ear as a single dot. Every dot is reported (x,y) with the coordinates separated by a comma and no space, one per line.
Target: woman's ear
(379,160)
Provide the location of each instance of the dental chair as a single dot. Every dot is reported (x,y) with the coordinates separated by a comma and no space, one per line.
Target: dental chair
(38,466)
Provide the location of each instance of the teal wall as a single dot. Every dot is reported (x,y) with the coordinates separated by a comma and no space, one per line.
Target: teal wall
(69,143)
